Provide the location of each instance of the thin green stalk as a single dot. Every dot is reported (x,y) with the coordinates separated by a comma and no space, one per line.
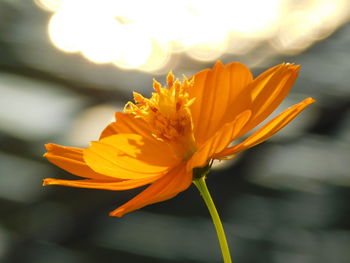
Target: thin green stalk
(203,189)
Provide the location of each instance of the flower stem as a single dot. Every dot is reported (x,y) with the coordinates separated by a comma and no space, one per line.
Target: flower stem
(203,189)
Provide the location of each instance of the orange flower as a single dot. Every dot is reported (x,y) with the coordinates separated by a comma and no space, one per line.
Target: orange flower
(160,140)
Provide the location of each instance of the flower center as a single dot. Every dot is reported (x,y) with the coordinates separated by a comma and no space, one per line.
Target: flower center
(168,115)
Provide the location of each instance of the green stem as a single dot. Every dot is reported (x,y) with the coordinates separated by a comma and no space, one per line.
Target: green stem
(203,189)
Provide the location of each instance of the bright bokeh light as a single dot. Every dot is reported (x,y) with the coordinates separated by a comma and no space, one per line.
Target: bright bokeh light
(158,59)
(313,21)
(49,5)
(295,36)
(144,35)
(252,18)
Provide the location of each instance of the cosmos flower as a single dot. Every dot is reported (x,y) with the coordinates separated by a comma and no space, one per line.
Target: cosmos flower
(184,125)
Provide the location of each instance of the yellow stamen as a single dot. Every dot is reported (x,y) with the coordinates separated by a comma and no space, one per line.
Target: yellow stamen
(170,79)
(139,98)
(156,86)
(168,115)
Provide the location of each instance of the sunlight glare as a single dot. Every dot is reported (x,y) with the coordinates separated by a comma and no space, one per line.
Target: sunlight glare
(254,18)
(313,22)
(146,35)
(49,5)
(102,41)
(158,59)
(63,30)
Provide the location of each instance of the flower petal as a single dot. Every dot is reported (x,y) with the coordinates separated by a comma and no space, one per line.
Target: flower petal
(216,93)
(71,159)
(102,184)
(126,123)
(130,156)
(268,90)
(219,141)
(268,129)
(174,182)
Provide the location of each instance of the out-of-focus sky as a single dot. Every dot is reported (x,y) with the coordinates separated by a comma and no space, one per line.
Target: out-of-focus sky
(67,65)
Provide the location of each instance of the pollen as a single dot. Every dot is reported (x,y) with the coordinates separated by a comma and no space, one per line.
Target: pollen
(167,113)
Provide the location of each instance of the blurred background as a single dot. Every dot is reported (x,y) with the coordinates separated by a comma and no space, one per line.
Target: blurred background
(67,66)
